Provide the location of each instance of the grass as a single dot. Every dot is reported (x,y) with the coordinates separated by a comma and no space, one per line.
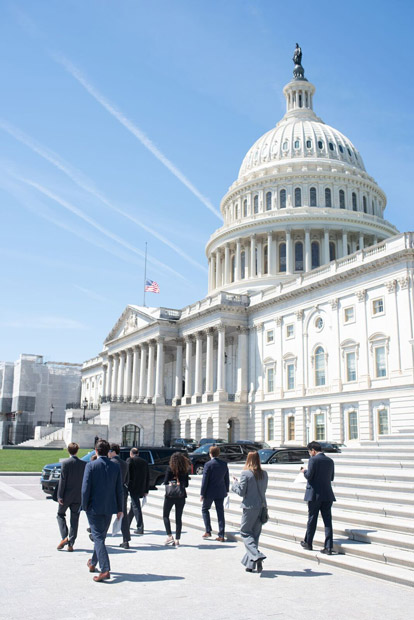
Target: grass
(32,460)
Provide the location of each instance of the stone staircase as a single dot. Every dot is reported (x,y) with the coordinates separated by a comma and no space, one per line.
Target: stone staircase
(373,516)
(52,440)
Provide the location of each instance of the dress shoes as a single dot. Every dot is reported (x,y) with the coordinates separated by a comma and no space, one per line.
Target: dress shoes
(91,537)
(102,576)
(207,535)
(306,546)
(248,570)
(220,539)
(90,566)
(62,544)
(139,532)
(124,545)
(70,547)
(326,551)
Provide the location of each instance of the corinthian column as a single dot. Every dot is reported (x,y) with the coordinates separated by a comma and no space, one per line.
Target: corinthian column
(179,371)
(209,362)
(143,374)
(198,364)
(121,371)
(188,365)
(114,388)
(242,364)
(159,377)
(108,385)
(221,371)
(150,378)
(128,376)
(135,375)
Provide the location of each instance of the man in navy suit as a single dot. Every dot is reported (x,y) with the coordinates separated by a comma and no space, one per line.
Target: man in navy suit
(319,495)
(102,496)
(214,488)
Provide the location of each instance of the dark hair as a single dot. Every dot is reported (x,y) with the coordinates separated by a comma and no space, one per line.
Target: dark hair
(214,451)
(73,448)
(314,445)
(179,464)
(102,447)
(253,463)
(134,451)
(115,448)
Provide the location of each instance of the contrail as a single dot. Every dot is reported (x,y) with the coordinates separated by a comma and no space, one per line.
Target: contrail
(83,182)
(145,141)
(66,205)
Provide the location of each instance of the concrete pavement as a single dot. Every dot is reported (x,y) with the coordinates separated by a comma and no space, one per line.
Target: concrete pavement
(203,579)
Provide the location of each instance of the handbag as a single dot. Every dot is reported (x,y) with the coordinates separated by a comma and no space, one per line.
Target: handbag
(264,513)
(174,490)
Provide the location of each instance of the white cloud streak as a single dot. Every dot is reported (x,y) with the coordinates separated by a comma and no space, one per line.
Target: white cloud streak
(46,322)
(86,184)
(133,129)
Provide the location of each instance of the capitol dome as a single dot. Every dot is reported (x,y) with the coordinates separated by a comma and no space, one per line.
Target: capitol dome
(301,200)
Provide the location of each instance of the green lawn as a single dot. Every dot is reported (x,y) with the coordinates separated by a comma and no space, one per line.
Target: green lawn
(32,460)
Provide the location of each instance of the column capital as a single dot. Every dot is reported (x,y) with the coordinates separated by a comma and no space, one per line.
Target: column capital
(299,315)
(278,320)
(242,329)
(160,339)
(361,294)
(189,338)
(179,342)
(258,327)
(391,285)
(221,327)
(334,303)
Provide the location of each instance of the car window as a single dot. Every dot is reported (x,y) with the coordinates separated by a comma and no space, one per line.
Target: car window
(231,449)
(296,456)
(264,455)
(280,457)
(146,455)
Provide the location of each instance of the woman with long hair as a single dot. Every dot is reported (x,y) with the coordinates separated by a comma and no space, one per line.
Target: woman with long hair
(176,481)
(252,488)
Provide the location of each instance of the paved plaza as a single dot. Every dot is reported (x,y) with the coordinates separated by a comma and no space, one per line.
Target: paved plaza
(201,579)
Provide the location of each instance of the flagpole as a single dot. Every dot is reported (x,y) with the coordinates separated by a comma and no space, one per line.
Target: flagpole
(145,271)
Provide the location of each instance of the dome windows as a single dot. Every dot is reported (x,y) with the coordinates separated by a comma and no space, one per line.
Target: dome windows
(268,201)
(341,148)
(341,199)
(315,255)
(328,198)
(312,196)
(298,197)
(256,204)
(349,151)
(308,144)
(364,204)
(282,199)
(331,146)
(320,145)
(282,257)
(245,208)
(299,256)
(354,202)
(285,145)
(296,144)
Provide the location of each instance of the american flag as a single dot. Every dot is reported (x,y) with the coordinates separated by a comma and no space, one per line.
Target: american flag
(151,287)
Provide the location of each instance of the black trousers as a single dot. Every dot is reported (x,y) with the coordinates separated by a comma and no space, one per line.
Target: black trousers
(205,511)
(126,534)
(179,504)
(136,511)
(324,508)
(74,521)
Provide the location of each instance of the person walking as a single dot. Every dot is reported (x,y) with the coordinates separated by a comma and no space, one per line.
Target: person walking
(176,481)
(69,496)
(252,489)
(138,487)
(114,455)
(214,488)
(319,495)
(101,498)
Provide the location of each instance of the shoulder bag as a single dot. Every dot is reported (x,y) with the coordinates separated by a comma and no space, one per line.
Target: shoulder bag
(174,490)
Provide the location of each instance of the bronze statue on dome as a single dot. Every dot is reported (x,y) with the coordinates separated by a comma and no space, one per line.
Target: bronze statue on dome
(298,71)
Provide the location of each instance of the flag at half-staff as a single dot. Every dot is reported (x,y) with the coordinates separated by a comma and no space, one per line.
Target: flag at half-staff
(151,286)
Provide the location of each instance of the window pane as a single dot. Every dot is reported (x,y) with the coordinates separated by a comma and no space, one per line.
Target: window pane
(351,366)
(383,421)
(243,265)
(354,202)
(268,201)
(270,429)
(320,426)
(290,376)
(282,199)
(256,204)
(332,251)
(353,425)
(291,428)
(328,200)
(244,208)
(270,373)
(282,257)
(320,366)
(312,196)
(298,197)
(299,256)
(380,366)
(315,255)
(341,199)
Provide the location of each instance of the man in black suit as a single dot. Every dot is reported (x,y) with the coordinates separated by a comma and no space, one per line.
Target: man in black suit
(138,487)
(114,452)
(319,495)
(214,488)
(102,497)
(69,496)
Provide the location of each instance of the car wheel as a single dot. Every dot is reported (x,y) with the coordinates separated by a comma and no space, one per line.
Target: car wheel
(199,468)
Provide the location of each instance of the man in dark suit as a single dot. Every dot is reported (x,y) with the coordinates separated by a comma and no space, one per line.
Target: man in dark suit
(214,488)
(69,496)
(138,487)
(114,452)
(319,495)
(101,498)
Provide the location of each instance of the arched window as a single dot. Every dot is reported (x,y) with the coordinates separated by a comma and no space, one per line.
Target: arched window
(233,268)
(299,256)
(265,260)
(256,204)
(308,144)
(244,208)
(298,197)
(315,255)
(328,198)
(354,201)
(364,204)
(332,251)
(282,257)
(243,265)
(282,204)
(268,201)
(341,199)
(130,435)
(320,144)
(320,366)
(296,144)
(312,195)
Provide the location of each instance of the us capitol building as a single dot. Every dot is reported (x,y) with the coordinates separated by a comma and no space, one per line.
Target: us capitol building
(306,331)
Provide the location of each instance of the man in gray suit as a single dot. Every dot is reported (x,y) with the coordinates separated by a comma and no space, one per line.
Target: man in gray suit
(319,495)
(69,496)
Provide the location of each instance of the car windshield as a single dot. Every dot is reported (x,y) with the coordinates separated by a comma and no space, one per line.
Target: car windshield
(265,455)
(203,449)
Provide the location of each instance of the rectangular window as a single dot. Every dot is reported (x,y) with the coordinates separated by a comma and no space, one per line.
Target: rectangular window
(353,425)
(351,366)
(270,429)
(270,336)
(290,331)
(383,422)
(270,379)
(377,306)
(349,314)
(291,428)
(380,362)
(320,426)
(290,376)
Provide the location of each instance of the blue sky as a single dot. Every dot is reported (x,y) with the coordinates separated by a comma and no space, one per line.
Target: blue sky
(125,122)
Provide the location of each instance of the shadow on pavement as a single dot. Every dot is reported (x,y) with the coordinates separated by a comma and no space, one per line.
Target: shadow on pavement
(149,577)
(307,572)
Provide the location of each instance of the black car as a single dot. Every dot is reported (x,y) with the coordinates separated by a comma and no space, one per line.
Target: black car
(184,443)
(229,452)
(211,440)
(157,459)
(330,446)
(284,456)
(258,444)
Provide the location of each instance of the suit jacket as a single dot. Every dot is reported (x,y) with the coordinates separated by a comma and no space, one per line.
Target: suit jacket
(102,487)
(216,481)
(251,490)
(70,482)
(320,473)
(138,476)
(124,472)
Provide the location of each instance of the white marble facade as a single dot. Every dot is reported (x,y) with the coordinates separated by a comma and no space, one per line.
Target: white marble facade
(307,328)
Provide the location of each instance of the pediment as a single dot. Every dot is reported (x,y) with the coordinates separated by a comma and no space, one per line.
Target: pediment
(131,320)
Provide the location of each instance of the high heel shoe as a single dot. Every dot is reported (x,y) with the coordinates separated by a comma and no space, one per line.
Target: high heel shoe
(169,541)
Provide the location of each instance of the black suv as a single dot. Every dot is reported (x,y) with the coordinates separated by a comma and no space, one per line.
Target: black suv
(229,452)
(184,443)
(283,456)
(157,459)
